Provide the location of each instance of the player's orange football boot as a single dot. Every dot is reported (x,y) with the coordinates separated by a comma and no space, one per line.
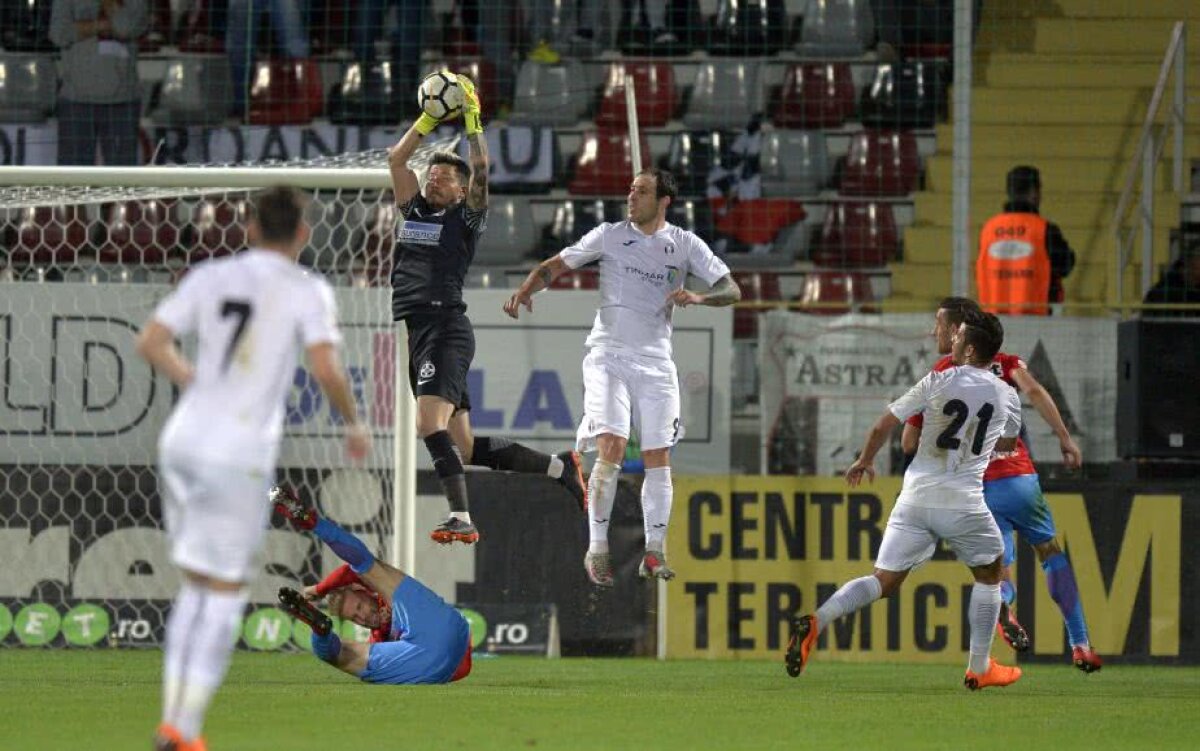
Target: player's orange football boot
(1011,631)
(289,506)
(1085,659)
(996,675)
(802,639)
(167,738)
(454,530)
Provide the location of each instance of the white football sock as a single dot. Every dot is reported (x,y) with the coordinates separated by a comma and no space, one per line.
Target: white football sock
(983,611)
(852,596)
(205,644)
(463,516)
(656,506)
(177,645)
(555,469)
(602,492)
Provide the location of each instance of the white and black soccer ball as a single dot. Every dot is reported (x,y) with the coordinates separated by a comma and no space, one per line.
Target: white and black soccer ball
(440,95)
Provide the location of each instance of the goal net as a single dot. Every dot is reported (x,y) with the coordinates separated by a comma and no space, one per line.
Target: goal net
(88,254)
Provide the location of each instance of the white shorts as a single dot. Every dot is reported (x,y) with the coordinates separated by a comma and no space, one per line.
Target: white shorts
(216,516)
(913,531)
(624,391)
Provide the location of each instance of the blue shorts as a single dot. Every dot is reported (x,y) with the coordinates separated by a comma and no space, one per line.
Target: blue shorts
(435,637)
(1017,503)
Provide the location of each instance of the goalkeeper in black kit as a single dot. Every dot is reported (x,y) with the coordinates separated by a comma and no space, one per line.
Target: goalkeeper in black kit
(435,243)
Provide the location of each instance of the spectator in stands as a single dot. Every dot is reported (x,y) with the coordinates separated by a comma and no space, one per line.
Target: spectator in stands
(1180,284)
(404,42)
(1022,257)
(99,100)
(241,31)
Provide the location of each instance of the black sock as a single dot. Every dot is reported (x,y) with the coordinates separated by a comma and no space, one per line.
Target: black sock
(449,468)
(500,453)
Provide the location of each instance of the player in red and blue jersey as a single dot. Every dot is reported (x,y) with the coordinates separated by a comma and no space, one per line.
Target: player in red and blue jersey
(1014,495)
(416,637)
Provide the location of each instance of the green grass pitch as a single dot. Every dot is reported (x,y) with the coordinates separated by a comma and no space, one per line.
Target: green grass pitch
(110,699)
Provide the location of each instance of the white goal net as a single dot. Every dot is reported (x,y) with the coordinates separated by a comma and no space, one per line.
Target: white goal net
(87,254)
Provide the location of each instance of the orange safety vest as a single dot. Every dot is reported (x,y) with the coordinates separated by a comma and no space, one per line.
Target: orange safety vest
(1012,271)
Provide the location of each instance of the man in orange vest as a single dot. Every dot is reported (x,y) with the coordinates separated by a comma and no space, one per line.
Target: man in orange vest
(1022,257)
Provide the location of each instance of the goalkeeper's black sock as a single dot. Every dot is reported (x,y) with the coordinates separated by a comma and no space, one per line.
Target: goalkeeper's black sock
(449,469)
(500,453)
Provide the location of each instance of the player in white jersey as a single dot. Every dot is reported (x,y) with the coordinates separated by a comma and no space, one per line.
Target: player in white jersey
(252,314)
(629,378)
(969,413)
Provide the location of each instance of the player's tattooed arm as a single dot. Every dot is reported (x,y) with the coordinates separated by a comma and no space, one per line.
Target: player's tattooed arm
(538,279)
(477,193)
(724,292)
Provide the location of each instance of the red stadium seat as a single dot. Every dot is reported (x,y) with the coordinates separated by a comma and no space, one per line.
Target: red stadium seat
(857,234)
(881,163)
(816,95)
(285,92)
(218,228)
(158,26)
(196,33)
(139,233)
(605,163)
(50,235)
(579,279)
(654,84)
(834,293)
(756,286)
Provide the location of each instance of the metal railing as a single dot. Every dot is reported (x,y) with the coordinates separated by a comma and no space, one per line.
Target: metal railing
(1151,141)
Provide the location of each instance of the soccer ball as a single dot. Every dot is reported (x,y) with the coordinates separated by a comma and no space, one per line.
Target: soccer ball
(440,95)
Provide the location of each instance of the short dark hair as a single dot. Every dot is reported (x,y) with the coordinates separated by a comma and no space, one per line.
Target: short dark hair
(1021,180)
(279,210)
(985,333)
(455,161)
(664,182)
(957,308)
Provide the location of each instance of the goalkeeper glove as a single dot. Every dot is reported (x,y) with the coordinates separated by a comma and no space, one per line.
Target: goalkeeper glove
(426,124)
(472,111)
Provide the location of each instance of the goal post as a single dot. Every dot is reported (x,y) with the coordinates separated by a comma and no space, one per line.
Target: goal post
(81,414)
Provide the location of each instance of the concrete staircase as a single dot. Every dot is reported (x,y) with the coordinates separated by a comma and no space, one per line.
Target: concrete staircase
(1062,85)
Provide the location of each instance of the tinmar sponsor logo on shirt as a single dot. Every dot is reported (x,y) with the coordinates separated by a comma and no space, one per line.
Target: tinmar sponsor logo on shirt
(656,278)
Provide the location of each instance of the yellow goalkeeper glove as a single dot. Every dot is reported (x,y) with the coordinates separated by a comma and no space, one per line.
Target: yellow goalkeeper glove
(426,124)
(472,110)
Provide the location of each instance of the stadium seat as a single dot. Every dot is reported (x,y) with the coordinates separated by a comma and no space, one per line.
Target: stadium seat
(834,292)
(881,163)
(654,84)
(584,278)
(285,92)
(605,165)
(692,156)
(756,221)
(836,28)
(27,88)
(364,95)
(725,96)
(50,235)
(907,95)
(748,27)
(551,94)
(693,215)
(511,236)
(217,228)
(196,90)
(574,219)
(756,286)
(794,162)
(816,95)
(857,234)
(139,232)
